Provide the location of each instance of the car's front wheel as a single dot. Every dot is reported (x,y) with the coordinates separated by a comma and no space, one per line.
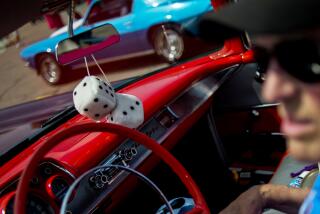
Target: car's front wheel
(49,69)
(168,43)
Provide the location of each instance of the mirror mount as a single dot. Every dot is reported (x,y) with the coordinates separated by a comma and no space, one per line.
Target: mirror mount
(71,15)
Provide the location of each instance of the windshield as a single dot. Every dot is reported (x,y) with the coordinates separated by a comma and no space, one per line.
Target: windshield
(103,10)
(154,34)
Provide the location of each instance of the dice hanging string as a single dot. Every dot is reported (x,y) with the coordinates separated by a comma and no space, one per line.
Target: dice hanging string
(105,77)
(85,60)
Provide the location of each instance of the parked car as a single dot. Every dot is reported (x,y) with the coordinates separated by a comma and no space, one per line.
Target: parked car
(207,112)
(140,29)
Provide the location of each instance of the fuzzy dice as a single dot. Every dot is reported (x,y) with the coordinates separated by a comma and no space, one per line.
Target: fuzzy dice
(128,112)
(94,98)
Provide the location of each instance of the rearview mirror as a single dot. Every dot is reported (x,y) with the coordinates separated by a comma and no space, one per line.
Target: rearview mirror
(86,43)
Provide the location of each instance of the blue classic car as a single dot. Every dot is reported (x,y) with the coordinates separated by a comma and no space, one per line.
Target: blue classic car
(141,32)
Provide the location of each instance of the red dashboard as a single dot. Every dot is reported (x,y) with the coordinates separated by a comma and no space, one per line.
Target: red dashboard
(163,111)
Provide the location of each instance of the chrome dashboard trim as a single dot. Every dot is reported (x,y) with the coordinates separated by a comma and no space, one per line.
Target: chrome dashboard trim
(172,112)
(266,105)
(60,168)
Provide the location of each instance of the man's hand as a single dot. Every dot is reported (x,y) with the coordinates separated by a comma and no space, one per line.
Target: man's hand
(257,198)
(248,202)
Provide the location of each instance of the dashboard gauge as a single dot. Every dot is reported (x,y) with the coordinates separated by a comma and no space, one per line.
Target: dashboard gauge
(57,187)
(35,205)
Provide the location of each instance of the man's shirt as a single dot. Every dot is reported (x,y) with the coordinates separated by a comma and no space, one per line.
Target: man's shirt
(311,204)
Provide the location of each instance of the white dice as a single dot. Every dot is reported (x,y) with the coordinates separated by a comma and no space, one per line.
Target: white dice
(128,112)
(94,98)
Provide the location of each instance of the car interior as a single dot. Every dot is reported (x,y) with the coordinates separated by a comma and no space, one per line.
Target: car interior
(207,112)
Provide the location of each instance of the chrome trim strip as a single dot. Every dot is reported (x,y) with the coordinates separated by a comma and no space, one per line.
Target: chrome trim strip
(60,168)
(264,172)
(266,105)
(277,134)
(172,112)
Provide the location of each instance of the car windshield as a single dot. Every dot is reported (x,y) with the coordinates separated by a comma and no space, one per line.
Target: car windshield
(154,34)
(104,10)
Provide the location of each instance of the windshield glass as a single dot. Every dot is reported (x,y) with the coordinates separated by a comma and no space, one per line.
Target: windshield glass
(154,34)
(104,10)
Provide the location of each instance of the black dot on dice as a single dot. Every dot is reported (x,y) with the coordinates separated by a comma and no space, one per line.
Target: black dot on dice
(112,95)
(84,84)
(137,103)
(96,100)
(86,109)
(105,106)
(132,108)
(98,78)
(124,113)
(100,87)
(97,115)
(111,118)
(75,93)
(107,91)
(110,88)
(105,84)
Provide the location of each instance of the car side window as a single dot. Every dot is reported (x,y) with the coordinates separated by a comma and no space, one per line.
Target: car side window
(107,9)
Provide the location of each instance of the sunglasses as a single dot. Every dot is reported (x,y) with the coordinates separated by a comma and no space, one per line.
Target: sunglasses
(299,58)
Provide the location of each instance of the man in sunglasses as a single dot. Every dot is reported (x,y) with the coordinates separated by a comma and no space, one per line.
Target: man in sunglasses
(286,37)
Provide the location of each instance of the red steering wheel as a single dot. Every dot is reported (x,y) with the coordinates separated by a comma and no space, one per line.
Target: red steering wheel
(170,160)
